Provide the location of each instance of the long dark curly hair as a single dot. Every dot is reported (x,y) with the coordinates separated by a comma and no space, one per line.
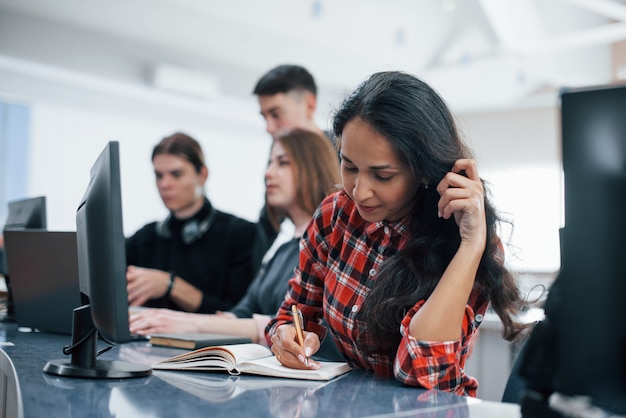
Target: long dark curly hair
(420,128)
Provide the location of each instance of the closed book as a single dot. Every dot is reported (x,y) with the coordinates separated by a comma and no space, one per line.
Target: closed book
(193,341)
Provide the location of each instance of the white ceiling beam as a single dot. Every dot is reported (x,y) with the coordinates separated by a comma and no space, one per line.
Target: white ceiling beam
(518,27)
(220,106)
(516,24)
(605,34)
(484,84)
(447,41)
(607,8)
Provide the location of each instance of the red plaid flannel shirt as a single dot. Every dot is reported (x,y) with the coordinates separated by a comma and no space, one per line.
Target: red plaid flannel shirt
(340,256)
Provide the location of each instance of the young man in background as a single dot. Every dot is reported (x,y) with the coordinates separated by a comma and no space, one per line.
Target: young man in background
(287,96)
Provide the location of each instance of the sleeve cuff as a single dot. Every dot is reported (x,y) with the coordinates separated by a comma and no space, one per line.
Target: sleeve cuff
(261,322)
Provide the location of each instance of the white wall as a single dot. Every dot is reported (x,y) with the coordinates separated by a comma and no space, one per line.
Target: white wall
(519,154)
(74,115)
(66,141)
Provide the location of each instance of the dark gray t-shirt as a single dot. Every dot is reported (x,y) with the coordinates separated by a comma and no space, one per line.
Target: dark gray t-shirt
(266,293)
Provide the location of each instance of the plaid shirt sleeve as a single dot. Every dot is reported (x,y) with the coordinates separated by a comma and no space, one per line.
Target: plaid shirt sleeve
(439,365)
(337,265)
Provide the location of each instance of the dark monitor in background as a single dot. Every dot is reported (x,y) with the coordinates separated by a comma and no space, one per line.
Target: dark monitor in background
(44,278)
(102,277)
(27,213)
(579,350)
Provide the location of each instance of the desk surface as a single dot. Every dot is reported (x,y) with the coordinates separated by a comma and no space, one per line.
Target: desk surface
(168,394)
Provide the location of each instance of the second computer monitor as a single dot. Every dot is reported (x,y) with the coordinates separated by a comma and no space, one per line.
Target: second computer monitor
(27,213)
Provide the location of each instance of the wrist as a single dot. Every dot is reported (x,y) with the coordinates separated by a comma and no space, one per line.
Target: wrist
(170,286)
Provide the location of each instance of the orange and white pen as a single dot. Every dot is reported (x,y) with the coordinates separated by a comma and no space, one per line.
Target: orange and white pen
(299,324)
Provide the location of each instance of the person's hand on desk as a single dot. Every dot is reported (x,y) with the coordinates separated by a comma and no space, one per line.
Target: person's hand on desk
(144,284)
(159,321)
(290,353)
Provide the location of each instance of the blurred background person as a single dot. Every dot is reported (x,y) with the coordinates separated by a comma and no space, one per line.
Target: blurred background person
(287,96)
(198,259)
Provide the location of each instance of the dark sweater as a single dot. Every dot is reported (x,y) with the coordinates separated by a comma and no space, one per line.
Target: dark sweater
(221,263)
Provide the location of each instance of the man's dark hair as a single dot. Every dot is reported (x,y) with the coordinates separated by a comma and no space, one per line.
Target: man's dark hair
(283,79)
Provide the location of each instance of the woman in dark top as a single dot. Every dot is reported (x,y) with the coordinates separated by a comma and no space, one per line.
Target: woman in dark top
(303,168)
(199,259)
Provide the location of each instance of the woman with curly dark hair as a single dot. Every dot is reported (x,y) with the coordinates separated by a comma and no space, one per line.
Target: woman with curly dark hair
(404,261)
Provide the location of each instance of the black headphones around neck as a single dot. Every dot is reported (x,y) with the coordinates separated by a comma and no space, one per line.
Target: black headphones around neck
(192,230)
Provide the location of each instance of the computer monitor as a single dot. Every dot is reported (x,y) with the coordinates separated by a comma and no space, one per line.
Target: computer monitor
(27,213)
(102,276)
(580,349)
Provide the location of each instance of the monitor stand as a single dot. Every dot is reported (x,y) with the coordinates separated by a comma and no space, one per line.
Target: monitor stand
(83,361)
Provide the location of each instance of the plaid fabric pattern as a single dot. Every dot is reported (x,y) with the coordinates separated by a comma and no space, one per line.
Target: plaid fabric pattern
(340,256)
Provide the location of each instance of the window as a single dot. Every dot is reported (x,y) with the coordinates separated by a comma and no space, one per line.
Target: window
(14,140)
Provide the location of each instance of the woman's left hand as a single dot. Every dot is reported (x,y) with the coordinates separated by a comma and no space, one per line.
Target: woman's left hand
(152,321)
(464,197)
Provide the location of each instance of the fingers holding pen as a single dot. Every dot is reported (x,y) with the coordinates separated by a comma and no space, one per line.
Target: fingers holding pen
(290,353)
(311,346)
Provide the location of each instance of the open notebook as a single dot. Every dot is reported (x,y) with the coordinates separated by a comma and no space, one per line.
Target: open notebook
(246,359)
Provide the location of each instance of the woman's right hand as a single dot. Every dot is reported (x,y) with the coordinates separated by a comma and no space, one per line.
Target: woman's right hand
(289,353)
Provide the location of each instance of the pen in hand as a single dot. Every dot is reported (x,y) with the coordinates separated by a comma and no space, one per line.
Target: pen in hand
(299,324)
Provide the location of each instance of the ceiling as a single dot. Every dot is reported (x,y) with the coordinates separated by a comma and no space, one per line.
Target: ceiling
(480,54)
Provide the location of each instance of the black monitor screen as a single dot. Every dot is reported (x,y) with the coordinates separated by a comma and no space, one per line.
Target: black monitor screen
(102,276)
(101,247)
(593,340)
(27,213)
(580,349)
